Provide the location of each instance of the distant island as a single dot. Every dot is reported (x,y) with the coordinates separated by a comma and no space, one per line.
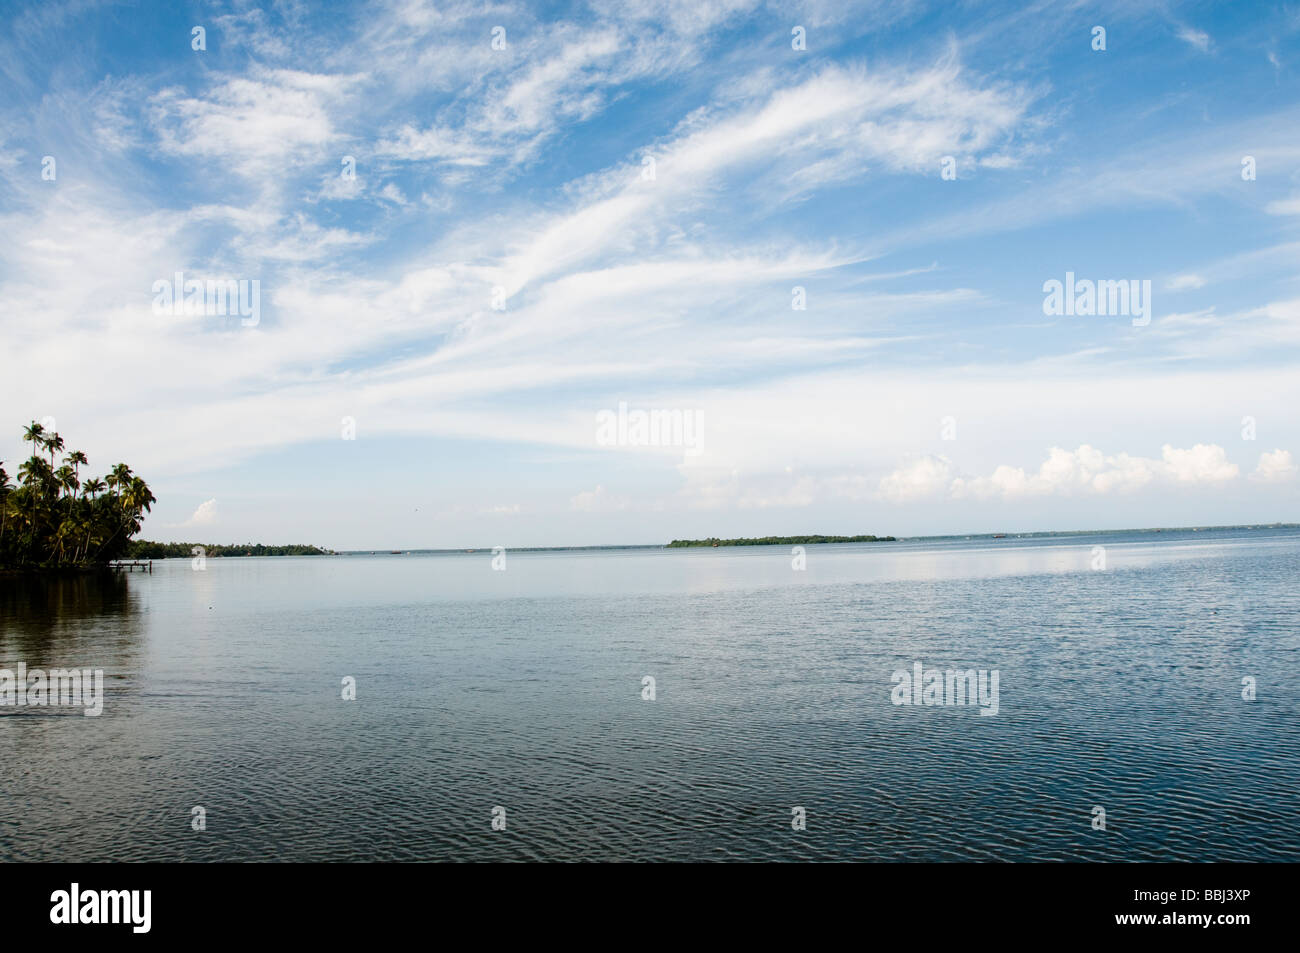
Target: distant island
(778,541)
(145,549)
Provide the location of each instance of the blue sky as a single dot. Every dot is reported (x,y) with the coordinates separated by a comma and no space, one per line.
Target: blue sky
(921,388)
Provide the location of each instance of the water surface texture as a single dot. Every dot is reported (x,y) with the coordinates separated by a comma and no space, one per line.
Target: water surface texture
(476,688)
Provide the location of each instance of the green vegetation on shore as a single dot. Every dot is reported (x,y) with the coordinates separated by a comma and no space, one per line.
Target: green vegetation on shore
(145,549)
(52,519)
(779,540)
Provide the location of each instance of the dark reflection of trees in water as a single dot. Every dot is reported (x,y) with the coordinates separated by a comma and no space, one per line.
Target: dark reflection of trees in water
(81,618)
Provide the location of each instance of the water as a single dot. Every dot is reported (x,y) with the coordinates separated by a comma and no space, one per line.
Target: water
(522,689)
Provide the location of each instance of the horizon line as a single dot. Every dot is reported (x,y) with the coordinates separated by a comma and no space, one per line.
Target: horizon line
(388,550)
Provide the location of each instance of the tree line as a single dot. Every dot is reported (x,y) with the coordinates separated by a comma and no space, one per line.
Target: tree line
(780,540)
(146,549)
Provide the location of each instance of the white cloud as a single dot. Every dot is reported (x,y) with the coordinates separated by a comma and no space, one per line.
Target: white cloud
(1203,463)
(1197,38)
(393,194)
(924,478)
(1188,282)
(205,515)
(1275,467)
(1177,171)
(337,186)
(547,78)
(1064,472)
(828,128)
(446,145)
(1288,206)
(260,125)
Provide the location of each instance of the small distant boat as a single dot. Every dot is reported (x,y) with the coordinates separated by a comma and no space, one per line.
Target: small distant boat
(999,535)
(394,552)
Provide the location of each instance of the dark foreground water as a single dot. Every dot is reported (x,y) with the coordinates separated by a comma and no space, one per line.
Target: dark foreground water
(522,689)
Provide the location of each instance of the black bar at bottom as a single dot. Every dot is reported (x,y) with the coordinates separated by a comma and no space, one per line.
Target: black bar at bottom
(956,903)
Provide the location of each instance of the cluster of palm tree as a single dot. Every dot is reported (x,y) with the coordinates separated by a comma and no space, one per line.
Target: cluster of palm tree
(51,519)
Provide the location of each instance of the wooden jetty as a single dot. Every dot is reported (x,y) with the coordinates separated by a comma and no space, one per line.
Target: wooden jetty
(132,565)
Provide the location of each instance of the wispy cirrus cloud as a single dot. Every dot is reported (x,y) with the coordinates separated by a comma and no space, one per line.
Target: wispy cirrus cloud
(1194,37)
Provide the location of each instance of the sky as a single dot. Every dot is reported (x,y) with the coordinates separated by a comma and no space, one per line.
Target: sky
(602,273)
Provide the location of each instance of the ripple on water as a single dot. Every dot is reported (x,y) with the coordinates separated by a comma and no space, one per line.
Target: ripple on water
(1119,690)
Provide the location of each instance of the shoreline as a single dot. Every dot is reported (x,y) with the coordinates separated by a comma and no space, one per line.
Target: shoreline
(268,552)
(57,571)
(1036,534)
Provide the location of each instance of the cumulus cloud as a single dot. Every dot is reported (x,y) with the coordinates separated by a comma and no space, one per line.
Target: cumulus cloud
(1203,463)
(1084,470)
(1275,467)
(205,515)
(922,478)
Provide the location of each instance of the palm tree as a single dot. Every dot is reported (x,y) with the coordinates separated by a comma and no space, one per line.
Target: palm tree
(54,444)
(67,530)
(35,473)
(119,476)
(89,526)
(138,498)
(92,486)
(135,499)
(35,476)
(34,433)
(5,488)
(66,477)
(78,460)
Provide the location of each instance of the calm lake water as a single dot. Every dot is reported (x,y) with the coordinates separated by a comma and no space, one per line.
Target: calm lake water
(1119,688)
